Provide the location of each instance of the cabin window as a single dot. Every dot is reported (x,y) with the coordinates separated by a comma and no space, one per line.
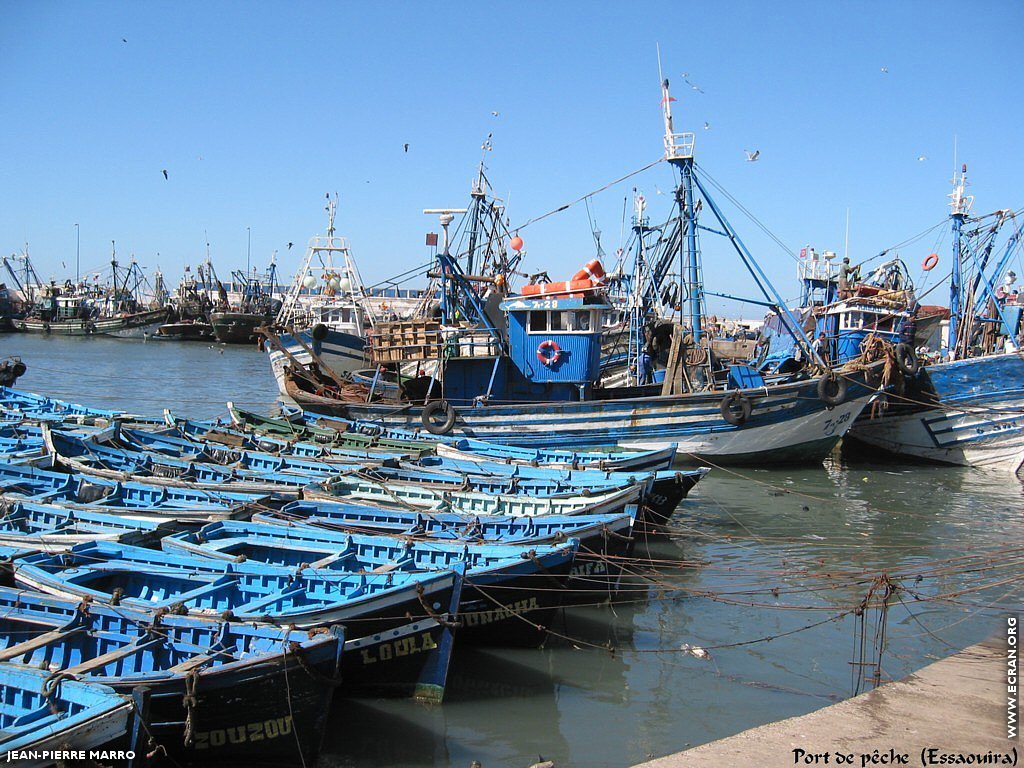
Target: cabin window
(574,321)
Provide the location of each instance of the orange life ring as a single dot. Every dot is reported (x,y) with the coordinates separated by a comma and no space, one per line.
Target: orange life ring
(549,353)
(592,271)
(929,262)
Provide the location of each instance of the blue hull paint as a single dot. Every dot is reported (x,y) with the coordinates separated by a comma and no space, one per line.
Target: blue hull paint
(788,423)
(967,412)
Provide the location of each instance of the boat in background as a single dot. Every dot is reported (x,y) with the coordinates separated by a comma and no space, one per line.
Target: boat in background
(118,309)
(257,305)
(190,306)
(525,370)
(324,315)
(967,408)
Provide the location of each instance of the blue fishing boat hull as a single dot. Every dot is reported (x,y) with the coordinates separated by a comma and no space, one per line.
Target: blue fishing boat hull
(788,423)
(967,412)
(263,699)
(69,715)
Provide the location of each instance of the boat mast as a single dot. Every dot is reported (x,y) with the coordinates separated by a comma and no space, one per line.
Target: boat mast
(960,205)
(679,152)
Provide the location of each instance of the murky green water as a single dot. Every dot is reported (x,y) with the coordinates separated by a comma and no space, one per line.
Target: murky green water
(765,569)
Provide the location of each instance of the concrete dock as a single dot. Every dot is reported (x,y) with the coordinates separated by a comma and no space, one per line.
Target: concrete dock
(954,706)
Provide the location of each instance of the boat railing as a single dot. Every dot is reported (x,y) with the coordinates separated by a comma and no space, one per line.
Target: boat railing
(679,145)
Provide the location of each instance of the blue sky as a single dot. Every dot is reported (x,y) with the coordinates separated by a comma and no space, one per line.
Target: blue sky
(257,110)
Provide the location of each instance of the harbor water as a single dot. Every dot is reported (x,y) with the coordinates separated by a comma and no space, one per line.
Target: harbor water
(777,591)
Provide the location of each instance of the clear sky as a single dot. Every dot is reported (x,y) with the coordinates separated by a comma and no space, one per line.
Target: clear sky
(256,110)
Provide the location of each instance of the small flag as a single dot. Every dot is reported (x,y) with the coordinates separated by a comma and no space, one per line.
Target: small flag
(432,238)
(670,98)
(803,253)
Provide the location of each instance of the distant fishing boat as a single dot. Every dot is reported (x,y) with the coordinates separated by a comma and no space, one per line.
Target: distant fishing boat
(239,324)
(324,315)
(93,310)
(189,307)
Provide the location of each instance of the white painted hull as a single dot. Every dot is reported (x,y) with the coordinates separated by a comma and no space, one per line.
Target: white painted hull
(979,420)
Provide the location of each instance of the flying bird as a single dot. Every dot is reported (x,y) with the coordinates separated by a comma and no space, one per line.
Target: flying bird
(406,147)
(885,70)
(752,156)
(124,40)
(165,173)
(921,158)
(290,246)
(707,126)
(495,114)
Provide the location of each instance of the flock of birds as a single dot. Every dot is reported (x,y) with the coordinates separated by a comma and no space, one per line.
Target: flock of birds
(752,155)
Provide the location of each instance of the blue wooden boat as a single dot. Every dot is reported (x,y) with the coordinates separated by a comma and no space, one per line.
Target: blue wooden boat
(207,690)
(17,405)
(447,526)
(76,491)
(304,597)
(505,584)
(41,526)
(605,540)
(617,461)
(41,714)
(89,456)
(412,495)
(215,433)
(662,494)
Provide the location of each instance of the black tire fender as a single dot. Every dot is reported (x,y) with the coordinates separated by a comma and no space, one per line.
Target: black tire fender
(438,407)
(906,360)
(832,389)
(319,332)
(736,408)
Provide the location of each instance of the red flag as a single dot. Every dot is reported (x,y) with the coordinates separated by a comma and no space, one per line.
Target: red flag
(803,253)
(670,98)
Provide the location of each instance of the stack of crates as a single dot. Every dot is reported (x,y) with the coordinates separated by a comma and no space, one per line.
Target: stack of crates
(405,340)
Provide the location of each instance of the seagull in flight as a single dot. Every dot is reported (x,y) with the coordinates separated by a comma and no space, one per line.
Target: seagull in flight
(752,156)
(495,114)
(406,147)
(885,70)
(290,246)
(707,126)
(921,158)
(124,40)
(165,173)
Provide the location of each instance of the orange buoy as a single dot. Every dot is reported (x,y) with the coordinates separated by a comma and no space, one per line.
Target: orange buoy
(929,262)
(516,243)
